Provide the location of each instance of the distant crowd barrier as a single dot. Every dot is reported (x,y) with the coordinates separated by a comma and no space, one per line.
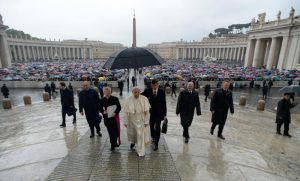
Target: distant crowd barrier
(114,84)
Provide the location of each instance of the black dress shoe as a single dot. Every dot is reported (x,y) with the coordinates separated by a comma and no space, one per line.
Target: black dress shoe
(74,122)
(99,134)
(278,133)
(212,132)
(92,136)
(132,146)
(62,125)
(155,148)
(186,140)
(288,135)
(221,137)
(112,148)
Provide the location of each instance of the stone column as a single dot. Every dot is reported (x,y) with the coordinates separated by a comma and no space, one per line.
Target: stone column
(238,54)
(28,53)
(74,55)
(24,53)
(91,53)
(267,52)
(33,53)
(272,53)
(15,53)
(257,52)
(249,53)
(184,53)
(243,54)
(283,53)
(5,57)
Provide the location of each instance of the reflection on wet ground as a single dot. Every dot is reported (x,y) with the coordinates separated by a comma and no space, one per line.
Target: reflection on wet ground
(33,147)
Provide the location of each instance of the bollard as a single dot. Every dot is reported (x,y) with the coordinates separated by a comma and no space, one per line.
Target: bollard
(46,97)
(6,103)
(242,101)
(27,100)
(78,91)
(261,105)
(211,94)
(168,90)
(181,89)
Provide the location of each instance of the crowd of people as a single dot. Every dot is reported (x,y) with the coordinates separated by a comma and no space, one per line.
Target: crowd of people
(214,71)
(59,71)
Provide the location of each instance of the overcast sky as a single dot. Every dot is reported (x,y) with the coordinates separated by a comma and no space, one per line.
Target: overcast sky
(157,20)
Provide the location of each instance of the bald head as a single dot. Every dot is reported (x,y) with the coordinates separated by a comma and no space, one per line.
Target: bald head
(190,86)
(85,85)
(136,92)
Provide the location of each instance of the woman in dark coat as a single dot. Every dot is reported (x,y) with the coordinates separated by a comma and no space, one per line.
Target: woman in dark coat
(188,100)
(283,115)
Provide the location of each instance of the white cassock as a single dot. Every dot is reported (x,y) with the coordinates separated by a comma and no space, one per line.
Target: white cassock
(136,114)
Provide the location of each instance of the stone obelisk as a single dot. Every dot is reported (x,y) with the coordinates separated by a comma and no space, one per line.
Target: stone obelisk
(134,31)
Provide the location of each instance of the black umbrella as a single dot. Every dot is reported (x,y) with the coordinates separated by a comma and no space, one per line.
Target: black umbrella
(133,58)
(290,89)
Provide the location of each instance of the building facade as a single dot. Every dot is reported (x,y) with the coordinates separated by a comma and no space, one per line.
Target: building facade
(15,49)
(270,44)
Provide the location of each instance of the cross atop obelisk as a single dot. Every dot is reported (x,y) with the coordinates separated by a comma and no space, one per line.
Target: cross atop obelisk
(134,30)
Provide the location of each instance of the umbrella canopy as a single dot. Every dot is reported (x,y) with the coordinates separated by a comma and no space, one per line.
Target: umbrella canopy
(290,89)
(133,58)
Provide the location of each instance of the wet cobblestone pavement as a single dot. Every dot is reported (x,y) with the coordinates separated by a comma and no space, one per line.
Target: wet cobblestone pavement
(33,147)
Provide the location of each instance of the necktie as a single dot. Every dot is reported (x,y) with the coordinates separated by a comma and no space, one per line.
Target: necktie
(154,93)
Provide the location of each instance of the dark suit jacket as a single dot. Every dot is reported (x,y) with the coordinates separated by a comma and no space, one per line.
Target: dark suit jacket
(158,104)
(66,98)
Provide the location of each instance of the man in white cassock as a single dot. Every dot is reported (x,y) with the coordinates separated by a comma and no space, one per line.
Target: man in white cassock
(136,113)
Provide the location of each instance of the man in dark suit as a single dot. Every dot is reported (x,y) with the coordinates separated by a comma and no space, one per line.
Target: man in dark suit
(67,104)
(283,115)
(188,100)
(158,110)
(89,101)
(207,90)
(220,103)
(48,89)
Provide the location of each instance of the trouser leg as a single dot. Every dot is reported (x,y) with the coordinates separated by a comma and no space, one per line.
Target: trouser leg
(186,132)
(279,127)
(91,125)
(286,128)
(63,114)
(157,130)
(213,126)
(221,127)
(152,124)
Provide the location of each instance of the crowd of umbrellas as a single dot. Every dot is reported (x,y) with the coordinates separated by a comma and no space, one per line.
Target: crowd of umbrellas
(62,71)
(170,70)
(215,71)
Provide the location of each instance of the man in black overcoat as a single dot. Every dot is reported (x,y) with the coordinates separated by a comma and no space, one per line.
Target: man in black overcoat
(207,90)
(220,103)
(187,101)
(158,110)
(283,115)
(67,103)
(48,89)
(5,91)
(89,102)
